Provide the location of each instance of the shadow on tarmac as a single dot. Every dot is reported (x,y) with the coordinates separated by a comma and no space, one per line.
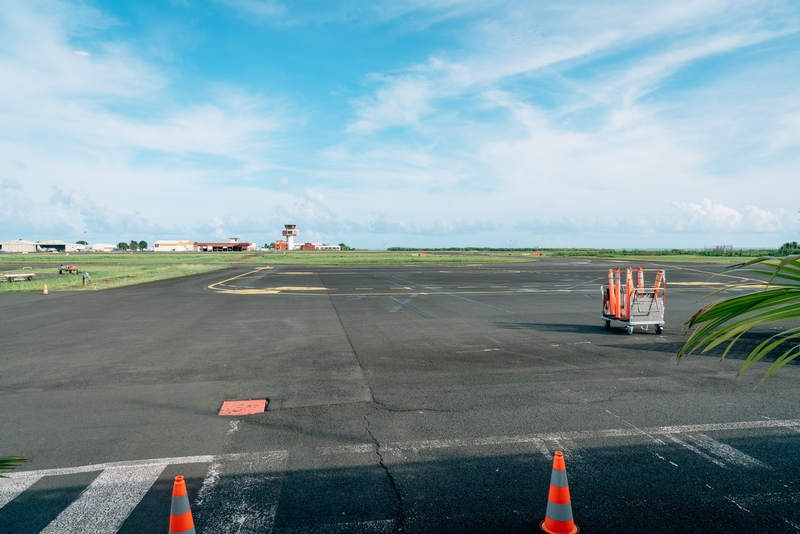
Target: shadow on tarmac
(642,488)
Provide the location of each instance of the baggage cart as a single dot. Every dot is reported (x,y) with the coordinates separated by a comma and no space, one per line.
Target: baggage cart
(633,306)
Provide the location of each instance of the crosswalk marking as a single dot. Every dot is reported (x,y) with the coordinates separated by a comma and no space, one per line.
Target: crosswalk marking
(107,502)
(247,503)
(384,526)
(696,451)
(9,489)
(241,491)
(110,465)
(725,452)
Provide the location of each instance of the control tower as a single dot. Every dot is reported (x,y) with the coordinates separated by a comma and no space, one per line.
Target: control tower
(289,233)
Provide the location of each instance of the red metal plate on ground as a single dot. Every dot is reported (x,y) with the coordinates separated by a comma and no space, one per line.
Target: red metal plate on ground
(244,407)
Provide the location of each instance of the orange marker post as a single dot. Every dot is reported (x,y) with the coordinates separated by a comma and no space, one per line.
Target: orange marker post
(612,307)
(640,280)
(659,276)
(628,292)
(617,292)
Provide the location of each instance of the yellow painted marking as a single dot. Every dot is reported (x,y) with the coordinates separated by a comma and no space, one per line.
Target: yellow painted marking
(697,283)
(362,288)
(400,288)
(294,272)
(258,269)
(273,290)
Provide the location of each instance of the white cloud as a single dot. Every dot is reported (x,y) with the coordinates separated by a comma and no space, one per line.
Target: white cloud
(765,221)
(82,53)
(707,217)
(10,183)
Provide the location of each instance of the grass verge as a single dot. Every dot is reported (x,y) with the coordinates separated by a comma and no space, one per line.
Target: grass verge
(105,277)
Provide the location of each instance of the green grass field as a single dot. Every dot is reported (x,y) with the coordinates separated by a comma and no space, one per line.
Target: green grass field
(104,276)
(118,269)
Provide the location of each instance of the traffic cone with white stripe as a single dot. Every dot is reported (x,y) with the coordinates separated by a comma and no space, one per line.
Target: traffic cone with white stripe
(180,517)
(558,518)
(45,292)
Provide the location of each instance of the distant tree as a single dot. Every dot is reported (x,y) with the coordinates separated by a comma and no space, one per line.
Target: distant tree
(343,246)
(134,245)
(142,245)
(81,243)
(789,248)
(122,245)
(269,245)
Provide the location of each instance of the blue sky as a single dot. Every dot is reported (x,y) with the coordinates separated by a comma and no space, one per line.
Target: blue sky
(436,123)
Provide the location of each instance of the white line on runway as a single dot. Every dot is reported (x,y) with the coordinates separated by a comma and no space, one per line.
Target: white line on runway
(724,451)
(448,294)
(363,527)
(256,477)
(111,465)
(107,502)
(696,451)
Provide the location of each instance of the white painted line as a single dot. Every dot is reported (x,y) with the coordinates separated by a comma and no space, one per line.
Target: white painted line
(111,465)
(696,451)
(364,527)
(10,488)
(726,452)
(107,502)
(566,437)
(248,501)
(347,449)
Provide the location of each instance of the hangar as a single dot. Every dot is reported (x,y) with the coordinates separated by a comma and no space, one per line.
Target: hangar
(232,246)
(19,245)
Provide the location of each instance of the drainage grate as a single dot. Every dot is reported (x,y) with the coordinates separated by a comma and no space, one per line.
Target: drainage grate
(243,407)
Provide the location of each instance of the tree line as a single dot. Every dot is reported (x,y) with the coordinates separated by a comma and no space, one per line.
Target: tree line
(133,245)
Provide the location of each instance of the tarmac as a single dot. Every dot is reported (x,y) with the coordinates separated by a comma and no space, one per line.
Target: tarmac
(400,398)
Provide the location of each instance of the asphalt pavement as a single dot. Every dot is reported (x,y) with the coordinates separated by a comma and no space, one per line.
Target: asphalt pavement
(400,398)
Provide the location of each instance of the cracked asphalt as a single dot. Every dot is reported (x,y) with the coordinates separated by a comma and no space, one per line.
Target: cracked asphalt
(401,398)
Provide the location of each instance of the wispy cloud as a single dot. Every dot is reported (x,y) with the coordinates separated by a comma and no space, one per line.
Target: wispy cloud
(10,183)
(427,120)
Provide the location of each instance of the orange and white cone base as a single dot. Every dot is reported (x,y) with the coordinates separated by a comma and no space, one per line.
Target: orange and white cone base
(558,518)
(45,292)
(180,517)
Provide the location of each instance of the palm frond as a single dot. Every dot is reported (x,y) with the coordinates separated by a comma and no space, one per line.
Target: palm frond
(10,462)
(725,321)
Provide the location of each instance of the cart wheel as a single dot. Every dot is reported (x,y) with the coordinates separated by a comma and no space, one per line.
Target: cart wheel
(30,278)
(630,330)
(607,324)
(659,329)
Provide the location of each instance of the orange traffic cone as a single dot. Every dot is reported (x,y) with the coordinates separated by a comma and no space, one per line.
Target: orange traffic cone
(558,518)
(180,517)
(45,292)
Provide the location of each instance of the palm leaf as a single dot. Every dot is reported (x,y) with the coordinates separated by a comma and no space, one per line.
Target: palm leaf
(727,320)
(10,462)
